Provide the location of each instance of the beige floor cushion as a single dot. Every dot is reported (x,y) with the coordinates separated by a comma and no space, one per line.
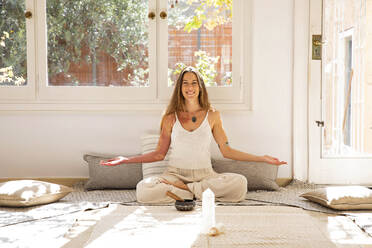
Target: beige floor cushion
(342,197)
(25,193)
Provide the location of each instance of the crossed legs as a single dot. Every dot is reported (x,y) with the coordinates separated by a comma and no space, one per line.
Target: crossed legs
(227,187)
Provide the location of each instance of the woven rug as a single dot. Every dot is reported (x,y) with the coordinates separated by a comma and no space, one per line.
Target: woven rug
(127,197)
(40,226)
(285,196)
(154,226)
(55,218)
(13,216)
(288,196)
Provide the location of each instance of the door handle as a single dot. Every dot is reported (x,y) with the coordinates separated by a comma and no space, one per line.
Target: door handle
(320,123)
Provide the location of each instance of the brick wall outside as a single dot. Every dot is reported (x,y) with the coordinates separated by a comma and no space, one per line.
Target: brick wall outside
(181,48)
(217,42)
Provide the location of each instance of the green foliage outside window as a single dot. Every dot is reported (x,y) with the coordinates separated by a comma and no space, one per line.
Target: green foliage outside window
(114,27)
(12,43)
(191,15)
(205,65)
(209,13)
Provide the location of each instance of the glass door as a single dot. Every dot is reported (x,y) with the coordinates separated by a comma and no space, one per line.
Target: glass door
(340,107)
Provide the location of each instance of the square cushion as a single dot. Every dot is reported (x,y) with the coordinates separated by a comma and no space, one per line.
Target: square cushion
(122,176)
(342,197)
(26,193)
(260,176)
(149,143)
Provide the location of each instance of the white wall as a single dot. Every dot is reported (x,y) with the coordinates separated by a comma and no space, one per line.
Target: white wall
(51,144)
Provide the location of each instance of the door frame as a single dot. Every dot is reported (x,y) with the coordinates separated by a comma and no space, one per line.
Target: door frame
(336,170)
(301,51)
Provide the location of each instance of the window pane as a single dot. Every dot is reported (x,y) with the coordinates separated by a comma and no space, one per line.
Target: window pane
(13,46)
(97,43)
(347,90)
(200,34)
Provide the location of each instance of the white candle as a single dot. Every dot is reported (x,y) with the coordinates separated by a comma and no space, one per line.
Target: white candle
(208,211)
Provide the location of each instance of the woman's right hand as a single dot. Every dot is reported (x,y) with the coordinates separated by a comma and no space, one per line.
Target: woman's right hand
(114,161)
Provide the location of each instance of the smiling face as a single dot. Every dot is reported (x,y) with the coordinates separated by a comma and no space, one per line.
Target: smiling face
(190,86)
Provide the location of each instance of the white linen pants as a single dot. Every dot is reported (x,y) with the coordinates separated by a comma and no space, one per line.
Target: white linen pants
(227,187)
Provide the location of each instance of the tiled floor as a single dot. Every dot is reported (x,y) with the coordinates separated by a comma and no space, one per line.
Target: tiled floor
(342,231)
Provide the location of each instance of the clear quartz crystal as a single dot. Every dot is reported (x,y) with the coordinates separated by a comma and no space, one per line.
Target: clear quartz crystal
(208,211)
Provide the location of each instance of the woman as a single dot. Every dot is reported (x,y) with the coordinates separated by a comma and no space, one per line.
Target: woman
(187,128)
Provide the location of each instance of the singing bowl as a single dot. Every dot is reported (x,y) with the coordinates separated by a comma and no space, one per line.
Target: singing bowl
(186,205)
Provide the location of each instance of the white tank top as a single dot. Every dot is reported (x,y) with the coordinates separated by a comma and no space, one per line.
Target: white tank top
(191,150)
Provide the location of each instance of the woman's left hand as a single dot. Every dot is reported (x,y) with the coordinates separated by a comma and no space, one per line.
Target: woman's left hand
(271,160)
(114,161)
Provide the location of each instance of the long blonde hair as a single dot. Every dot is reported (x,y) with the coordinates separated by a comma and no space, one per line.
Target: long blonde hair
(177,102)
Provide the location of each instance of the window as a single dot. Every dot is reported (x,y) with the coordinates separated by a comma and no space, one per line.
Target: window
(17,70)
(125,51)
(201,33)
(97,50)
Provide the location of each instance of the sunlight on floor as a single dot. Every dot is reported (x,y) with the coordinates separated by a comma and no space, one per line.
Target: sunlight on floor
(46,232)
(88,220)
(141,229)
(157,226)
(343,231)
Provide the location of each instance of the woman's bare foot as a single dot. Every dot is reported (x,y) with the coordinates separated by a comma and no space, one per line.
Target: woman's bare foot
(179,184)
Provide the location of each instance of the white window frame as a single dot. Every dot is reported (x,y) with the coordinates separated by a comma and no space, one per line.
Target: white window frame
(93,93)
(40,96)
(27,92)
